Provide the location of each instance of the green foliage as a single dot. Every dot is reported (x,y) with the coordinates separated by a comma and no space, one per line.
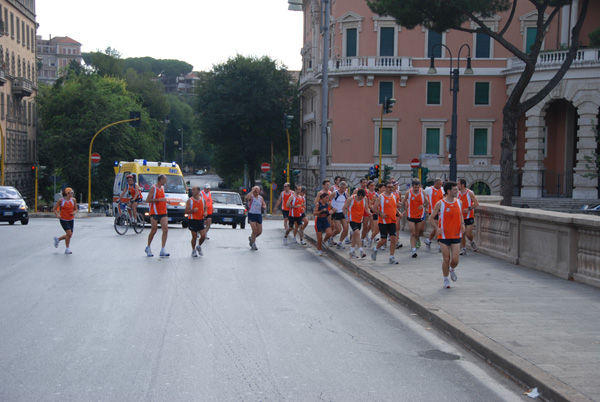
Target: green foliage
(181,117)
(75,109)
(241,104)
(595,38)
(169,67)
(151,92)
(106,64)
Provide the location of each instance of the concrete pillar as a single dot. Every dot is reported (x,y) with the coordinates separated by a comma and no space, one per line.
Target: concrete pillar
(534,155)
(585,187)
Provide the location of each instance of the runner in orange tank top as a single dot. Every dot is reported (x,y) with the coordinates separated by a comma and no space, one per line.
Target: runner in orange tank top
(284,196)
(386,206)
(415,205)
(295,207)
(449,230)
(355,208)
(435,194)
(196,209)
(65,210)
(209,208)
(469,203)
(158,214)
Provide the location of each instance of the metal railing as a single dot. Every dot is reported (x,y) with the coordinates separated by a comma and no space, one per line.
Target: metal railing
(557,184)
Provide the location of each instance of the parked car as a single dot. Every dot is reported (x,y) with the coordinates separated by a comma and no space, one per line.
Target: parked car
(228,209)
(12,206)
(200,172)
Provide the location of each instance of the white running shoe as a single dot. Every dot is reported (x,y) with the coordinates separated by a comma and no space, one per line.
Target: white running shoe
(294,240)
(414,253)
(428,244)
(68,251)
(303,242)
(319,253)
(473,246)
(340,246)
(453,275)
(463,252)
(353,254)
(285,241)
(194,254)
(149,252)
(446,283)
(56,241)
(199,250)
(393,261)
(254,247)
(374,254)
(164,253)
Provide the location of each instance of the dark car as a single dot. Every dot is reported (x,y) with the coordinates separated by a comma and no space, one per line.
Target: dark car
(12,206)
(228,209)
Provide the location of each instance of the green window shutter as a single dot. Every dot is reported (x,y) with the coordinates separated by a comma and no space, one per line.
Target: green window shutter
(386,88)
(434,38)
(386,141)
(351,41)
(531,33)
(482,93)
(482,46)
(480,141)
(386,41)
(432,141)
(434,93)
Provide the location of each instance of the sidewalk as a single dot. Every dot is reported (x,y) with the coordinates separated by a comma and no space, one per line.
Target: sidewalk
(541,330)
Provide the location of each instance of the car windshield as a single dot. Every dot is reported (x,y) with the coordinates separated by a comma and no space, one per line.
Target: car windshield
(174,183)
(226,198)
(9,194)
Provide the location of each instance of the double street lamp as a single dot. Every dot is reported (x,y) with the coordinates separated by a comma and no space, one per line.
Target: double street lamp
(454,76)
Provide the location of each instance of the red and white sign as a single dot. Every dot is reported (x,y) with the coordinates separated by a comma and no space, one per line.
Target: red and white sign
(95,158)
(415,163)
(265,167)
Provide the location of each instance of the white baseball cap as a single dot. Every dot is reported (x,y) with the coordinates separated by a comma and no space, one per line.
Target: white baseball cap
(207,185)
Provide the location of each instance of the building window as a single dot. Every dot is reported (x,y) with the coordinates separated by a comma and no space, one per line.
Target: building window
(351,42)
(432,141)
(388,137)
(386,89)
(482,45)
(386,141)
(480,141)
(482,93)
(434,93)
(530,39)
(2,106)
(18,30)
(387,41)
(12,25)
(433,39)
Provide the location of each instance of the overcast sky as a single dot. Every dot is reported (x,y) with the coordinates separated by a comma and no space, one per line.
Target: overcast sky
(199,32)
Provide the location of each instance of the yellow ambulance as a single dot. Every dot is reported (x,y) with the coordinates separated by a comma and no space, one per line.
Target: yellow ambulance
(145,174)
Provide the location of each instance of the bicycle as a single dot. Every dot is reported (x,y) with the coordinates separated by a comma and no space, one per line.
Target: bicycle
(123,220)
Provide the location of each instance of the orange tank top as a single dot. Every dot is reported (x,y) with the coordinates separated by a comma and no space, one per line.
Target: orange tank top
(209,202)
(450,220)
(199,214)
(436,195)
(356,209)
(295,212)
(284,199)
(67,209)
(414,202)
(387,205)
(466,200)
(158,207)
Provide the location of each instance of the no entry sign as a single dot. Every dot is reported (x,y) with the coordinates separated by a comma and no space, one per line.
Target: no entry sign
(95,158)
(415,163)
(265,167)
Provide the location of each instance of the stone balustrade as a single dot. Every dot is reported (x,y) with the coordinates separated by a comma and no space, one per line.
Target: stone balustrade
(561,244)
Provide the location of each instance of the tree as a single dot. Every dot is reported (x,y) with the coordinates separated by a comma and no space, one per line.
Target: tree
(443,15)
(73,110)
(241,104)
(106,64)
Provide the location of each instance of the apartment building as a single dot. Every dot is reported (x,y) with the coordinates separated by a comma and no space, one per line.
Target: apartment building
(372,57)
(55,54)
(17,94)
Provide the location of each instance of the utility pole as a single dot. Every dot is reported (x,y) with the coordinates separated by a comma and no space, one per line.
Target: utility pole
(325,90)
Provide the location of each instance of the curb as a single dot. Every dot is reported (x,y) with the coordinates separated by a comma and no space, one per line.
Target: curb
(511,364)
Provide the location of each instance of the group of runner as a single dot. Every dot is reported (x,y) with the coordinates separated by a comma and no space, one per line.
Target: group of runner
(370,217)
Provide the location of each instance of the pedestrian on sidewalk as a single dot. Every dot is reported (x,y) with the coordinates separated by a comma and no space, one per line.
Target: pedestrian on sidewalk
(355,208)
(256,203)
(450,229)
(65,210)
(158,214)
(386,206)
(322,213)
(435,194)
(196,210)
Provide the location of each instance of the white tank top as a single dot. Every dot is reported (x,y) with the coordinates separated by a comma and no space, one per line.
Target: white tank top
(339,200)
(255,206)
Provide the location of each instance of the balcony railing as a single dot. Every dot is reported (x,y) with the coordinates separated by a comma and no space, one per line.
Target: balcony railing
(22,87)
(554,59)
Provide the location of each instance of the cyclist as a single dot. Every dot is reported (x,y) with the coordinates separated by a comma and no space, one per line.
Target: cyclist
(135,196)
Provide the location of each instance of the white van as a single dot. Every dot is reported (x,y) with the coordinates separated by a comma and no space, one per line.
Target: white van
(145,174)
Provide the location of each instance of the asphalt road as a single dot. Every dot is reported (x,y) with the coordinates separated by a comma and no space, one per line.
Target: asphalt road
(108,323)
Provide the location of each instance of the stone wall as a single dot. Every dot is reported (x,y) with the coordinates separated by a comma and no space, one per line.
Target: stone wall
(561,244)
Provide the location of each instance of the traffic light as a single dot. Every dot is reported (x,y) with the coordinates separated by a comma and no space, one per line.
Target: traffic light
(287,121)
(33,171)
(375,171)
(268,176)
(371,174)
(387,170)
(424,172)
(415,173)
(135,115)
(284,175)
(388,104)
(295,175)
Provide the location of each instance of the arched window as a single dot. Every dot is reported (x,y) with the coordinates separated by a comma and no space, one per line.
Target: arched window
(481,188)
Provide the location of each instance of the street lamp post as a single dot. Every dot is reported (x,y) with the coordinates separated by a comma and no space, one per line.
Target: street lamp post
(165,122)
(325,90)
(454,80)
(181,131)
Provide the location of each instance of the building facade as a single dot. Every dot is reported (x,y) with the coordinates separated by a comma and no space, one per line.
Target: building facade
(55,55)
(372,58)
(18,89)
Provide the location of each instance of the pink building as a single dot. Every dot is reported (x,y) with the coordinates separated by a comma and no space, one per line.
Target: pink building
(372,58)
